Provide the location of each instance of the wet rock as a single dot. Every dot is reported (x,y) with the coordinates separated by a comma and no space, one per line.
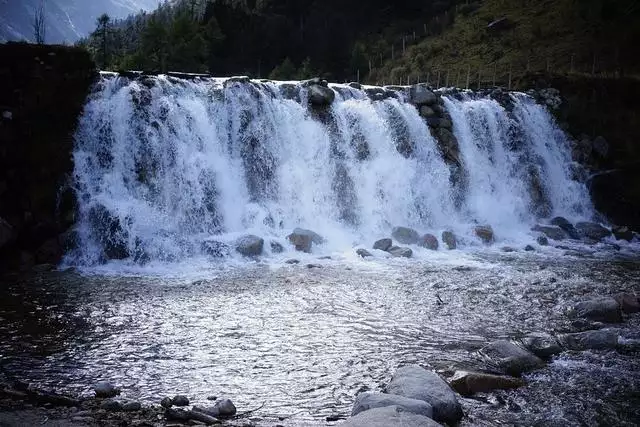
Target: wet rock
(512,359)
(565,225)
(312,266)
(553,233)
(320,95)
(421,95)
(601,146)
(629,303)
(467,383)
(383,244)
(131,406)
(276,248)
(180,400)
(303,239)
(363,253)
(448,144)
(104,389)
(223,408)
(6,232)
(111,405)
(529,248)
(389,416)
(399,252)
(368,400)
(292,261)
(449,240)
(542,345)
(250,245)
(414,382)
(405,235)
(622,233)
(592,230)
(601,310)
(485,233)
(355,85)
(427,112)
(507,249)
(202,417)
(542,241)
(215,249)
(177,415)
(237,79)
(602,339)
(166,402)
(429,241)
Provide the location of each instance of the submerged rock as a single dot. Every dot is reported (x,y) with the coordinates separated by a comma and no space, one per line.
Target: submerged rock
(467,383)
(620,233)
(399,252)
(601,310)
(542,345)
(180,400)
(449,240)
(529,248)
(250,245)
(591,230)
(366,401)
(629,303)
(405,235)
(363,253)
(389,416)
(105,389)
(553,233)
(602,339)
(414,382)
(303,239)
(383,244)
(429,241)
(512,359)
(485,233)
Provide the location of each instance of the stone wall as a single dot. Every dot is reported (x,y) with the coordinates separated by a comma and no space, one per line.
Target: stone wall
(42,93)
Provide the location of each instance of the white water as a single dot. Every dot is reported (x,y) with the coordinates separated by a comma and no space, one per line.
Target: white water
(163,167)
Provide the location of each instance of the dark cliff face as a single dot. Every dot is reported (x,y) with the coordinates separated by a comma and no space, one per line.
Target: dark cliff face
(42,93)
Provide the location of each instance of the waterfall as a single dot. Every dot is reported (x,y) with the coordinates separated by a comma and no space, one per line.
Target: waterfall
(164,164)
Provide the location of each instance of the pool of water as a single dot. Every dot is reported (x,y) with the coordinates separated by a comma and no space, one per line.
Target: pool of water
(298,344)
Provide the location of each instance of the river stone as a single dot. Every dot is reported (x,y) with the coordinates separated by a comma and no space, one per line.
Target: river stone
(602,339)
(542,345)
(363,253)
(250,245)
(467,383)
(276,248)
(223,408)
(180,400)
(131,406)
(485,233)
(399,252)
(512,359)
(565,225)
(177,414)
(303,239)
(105,389)
(529,248)
(542,241)
(629,303)
(449,240)
(427,112)
(111,405)
(421,95)
(368,400)
(6,232)
(620,233)
(553,233)
(202,417)
(320,95)
(592,230)
(414,382)
(166,402)
(389,416)
(383,244)
(405,235)
(601,310)
(429,241)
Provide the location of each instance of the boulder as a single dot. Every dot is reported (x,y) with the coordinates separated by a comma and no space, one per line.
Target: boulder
(512,359)
(180,400)
(202,418)
(303,239)
(485,233)
(383,244)
(602,339)
(427,112)
(215,249)
(6,232)
(467,383)
(405,235)
(399,252)
(421,95)
(250,245)
(414,382)
(529,248)
(366,401)
(601,310)
(429,241)
(620,233)
(449,240)
(320,95)
(276,247)
(542,345)
(389,416)
(507,249)
(601,146)
(363,253)
(131,406)
(448,144)
(177,415)
(628,303)
(166,402)
(553,233)
(592,230)
(542,241)
(223,408)
(111,405)
(565,225)
(104,389)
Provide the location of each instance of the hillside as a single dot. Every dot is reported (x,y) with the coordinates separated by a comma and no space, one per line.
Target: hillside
(585,37)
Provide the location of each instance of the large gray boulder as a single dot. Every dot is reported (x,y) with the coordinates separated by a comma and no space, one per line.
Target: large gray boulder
(512,359)
(223,408)
(485,233)
(600,309)
(602,339)
(400,252)
(303,239)
(383,244)
(449,240)
(467,383)
(105,389)
(366,401)
(542,345)
(389,416)
(6,232)
(320,95)
(250,245)
(552,232)
(429,241)
(405,235)
(593,231)
(566,226)
(629,303)
(421,95)
(414,382)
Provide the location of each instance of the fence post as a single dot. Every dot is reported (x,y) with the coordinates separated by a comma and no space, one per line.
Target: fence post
(404,42)
(468,76)
(447,82)
(425,28)
(571,69)
(392,52)
(593,67)
(495,71)
(438,84)
(358,76)
(428,78)
(479,78)
(510,69)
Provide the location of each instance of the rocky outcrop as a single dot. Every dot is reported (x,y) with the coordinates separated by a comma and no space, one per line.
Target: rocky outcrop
(405,235)
(366,401)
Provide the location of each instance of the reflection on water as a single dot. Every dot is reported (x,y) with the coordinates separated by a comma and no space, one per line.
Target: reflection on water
(306,341)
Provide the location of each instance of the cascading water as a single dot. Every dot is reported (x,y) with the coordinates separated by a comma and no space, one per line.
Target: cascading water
(163,165)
